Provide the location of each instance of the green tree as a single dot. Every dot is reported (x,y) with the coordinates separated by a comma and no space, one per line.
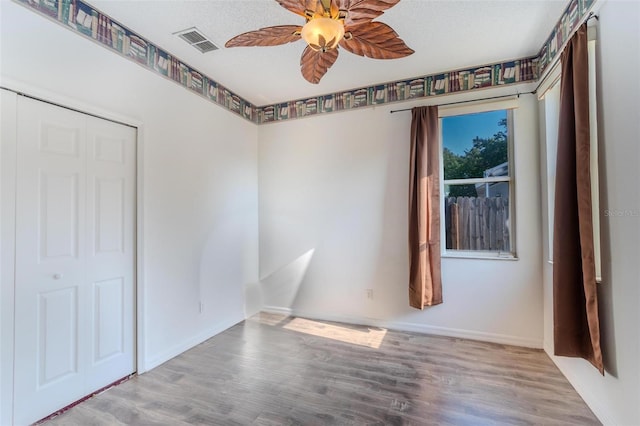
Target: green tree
(484,154)
(453,164)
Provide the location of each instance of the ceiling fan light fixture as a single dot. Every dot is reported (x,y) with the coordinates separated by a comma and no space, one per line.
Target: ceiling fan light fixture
(348,23)
(323,33)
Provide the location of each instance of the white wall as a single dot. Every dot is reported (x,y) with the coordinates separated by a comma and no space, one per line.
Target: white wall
(199,176)
(7,233)
(615,397)
(333,223)
(333,220)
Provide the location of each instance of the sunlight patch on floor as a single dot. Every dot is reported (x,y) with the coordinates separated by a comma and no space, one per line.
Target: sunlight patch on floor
(269,318)
(371,338)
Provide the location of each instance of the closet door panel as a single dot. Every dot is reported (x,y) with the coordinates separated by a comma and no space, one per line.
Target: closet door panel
(75,257)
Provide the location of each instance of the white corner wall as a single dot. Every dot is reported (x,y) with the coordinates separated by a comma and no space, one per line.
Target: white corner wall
(333,223)
(614,398)
(198,174)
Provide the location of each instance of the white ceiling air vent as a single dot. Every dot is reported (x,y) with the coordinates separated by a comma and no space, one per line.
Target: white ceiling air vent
(196,39)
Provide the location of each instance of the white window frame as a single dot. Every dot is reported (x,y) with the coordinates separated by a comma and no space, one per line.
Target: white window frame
(593,137)
(551,98)
(509,104)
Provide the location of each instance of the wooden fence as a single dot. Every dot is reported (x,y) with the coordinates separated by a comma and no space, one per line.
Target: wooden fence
(477,223)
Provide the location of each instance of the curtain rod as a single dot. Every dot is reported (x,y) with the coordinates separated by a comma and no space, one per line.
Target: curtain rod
(470,100)
(46,101)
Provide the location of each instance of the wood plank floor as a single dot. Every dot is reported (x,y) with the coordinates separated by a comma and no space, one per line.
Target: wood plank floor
(276,370)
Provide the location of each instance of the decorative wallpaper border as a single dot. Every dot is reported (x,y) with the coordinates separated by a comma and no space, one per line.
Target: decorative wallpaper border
(517,71)
(89,22)
(85,20)
(499,74)
(571,17)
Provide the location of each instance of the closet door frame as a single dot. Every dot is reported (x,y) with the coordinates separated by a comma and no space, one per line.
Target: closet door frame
(9,93)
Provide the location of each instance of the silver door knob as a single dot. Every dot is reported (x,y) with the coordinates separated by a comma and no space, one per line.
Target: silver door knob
(57,276)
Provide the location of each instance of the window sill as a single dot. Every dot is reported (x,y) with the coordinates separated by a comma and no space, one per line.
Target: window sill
(479,256)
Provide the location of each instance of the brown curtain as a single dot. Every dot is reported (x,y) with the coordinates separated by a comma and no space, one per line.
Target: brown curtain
(425,284)
(575,302)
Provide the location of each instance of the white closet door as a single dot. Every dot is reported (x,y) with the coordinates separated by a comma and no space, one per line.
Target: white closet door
(110,250)
(74,315)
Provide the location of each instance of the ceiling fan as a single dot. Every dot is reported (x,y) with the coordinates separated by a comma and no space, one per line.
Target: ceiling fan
(329,24)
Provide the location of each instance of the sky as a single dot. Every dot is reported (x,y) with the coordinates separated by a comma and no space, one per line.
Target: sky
(459,131)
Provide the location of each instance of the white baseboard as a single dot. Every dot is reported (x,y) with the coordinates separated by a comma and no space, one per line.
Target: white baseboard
(187,344)
(277,310)
(601,412)
(504,339)
(415,327)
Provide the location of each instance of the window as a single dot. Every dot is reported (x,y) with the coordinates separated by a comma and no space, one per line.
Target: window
(477,183)
(551,99)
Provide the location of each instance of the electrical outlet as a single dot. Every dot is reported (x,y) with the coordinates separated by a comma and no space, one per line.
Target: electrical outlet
(369,293)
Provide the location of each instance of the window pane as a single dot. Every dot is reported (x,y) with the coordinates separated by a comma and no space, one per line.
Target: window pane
(475,145)
(477,222)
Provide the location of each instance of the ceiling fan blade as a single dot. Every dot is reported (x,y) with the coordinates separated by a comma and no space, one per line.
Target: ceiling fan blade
(361,11)
(315,64)
(269,36)
(375,40)
(296,6)
(316,6)
(334,9)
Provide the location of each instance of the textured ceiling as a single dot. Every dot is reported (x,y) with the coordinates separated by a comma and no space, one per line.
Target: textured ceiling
(446,35)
